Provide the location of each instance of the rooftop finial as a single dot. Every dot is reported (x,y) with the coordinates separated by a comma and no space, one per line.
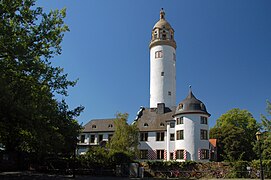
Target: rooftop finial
(162,13)
(190,94)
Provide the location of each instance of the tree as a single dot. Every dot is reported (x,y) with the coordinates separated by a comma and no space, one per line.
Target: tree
(125,138)
(31,118)
(266,125)
(216,133)
(236,133)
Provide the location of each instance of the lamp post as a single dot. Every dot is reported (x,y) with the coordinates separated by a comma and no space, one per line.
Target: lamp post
(259,137)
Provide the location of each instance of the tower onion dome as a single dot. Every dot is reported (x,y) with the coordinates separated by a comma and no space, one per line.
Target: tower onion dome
(191,105)
(162,32)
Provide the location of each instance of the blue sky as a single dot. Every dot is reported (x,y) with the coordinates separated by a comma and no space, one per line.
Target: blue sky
(223,51)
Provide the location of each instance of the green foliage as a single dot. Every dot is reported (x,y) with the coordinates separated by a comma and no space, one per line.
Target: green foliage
(169,165)
(31,118)
(266,167)
(211,170)
(125,137)
(266,125)
(95,157)
(266,146)
(120,157)
(239,169)
(235,131)
(99,157)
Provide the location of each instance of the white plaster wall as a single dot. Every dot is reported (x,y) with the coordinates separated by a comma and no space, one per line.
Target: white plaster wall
(152,143)
(170,144)
(88,135)
(192,142)
(160,85)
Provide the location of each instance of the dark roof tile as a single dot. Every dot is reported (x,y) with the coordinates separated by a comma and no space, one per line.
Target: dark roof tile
(99,125)
(154,120)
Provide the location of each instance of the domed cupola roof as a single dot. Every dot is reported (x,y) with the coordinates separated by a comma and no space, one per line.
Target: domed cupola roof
(191,105)
(162,32)
(162,23)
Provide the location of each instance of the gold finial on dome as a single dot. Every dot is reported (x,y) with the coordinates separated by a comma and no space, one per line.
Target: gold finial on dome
(162,13)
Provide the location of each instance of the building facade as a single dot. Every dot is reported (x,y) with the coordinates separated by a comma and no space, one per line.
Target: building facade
(167,131)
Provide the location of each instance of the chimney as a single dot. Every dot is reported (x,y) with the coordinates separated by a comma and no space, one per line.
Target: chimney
(160,108)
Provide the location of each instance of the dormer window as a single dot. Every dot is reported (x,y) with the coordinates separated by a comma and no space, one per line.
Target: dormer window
(180,106)
(110,125)
(162,124)
(145,125)
(93,126)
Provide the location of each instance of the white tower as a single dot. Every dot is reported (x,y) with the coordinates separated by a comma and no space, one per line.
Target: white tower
(192,129)
(162,64)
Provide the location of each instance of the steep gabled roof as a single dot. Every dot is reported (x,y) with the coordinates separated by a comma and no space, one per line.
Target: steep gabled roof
(100,125)
(153,121)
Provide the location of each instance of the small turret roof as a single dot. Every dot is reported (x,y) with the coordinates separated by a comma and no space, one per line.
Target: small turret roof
(191,105)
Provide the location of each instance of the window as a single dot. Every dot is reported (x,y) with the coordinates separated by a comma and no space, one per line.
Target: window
(164,35)
(162,73)
(100,137)
(145,125)
(82,140)
(144,136)
(160,154)
(180,120)
(204,154)
(160,136)
(169,93)
(174,57)
(171,156)
(158,54)
(172,125)
(203,134)
(155,34)
(203,120)
(144,154)
(92,138)
(180,154)
(179,135)
(110,136)
(162,124)
(172,137)
(110,125)
(93,126)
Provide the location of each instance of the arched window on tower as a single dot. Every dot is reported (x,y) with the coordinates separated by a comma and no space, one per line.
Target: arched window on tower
(159,54)
(164,35)
(171,34)
(155,34)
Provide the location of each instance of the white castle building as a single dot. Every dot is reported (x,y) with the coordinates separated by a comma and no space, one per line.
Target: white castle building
(167,131)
